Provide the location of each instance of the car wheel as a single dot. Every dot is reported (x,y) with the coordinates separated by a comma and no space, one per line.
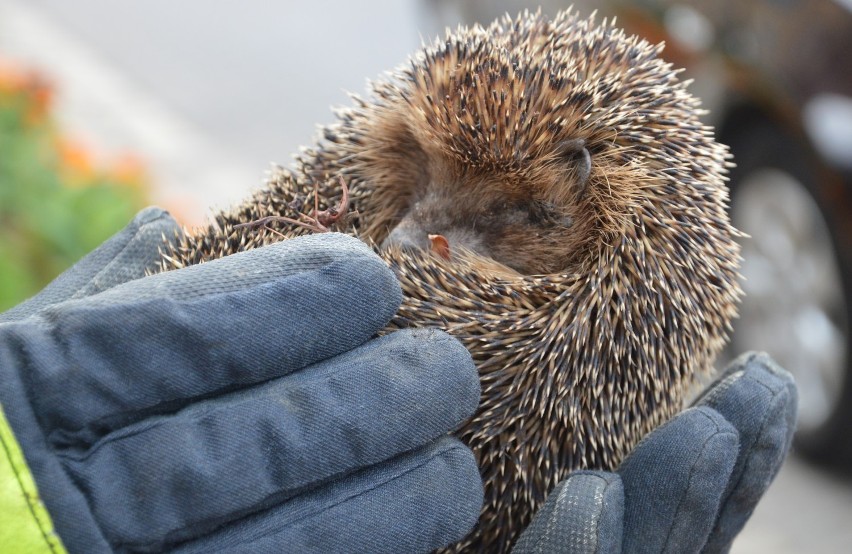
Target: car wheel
(796,280)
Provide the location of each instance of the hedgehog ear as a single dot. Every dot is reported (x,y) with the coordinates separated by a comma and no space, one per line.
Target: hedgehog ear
(575,150)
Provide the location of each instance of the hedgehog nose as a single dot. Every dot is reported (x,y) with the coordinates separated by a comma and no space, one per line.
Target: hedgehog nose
(407,236)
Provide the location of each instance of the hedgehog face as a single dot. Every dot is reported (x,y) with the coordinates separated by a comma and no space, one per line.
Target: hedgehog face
(521,207)
(489,214)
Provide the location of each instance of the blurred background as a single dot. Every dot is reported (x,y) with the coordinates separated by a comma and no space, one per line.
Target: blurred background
(108,105)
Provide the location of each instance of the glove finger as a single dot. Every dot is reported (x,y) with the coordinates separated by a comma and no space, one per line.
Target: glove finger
(222,458)
(759,399)
(583,514)
(155,344)
(674,481)
(415,503)
(124,257)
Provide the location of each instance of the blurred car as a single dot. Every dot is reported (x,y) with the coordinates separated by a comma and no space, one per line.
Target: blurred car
(776,77)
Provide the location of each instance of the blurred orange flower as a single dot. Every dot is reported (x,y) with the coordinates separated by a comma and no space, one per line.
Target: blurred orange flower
(128,170)
(30,87)
(75,162)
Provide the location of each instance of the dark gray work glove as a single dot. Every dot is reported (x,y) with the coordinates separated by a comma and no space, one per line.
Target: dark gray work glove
(690,485)
(241,405)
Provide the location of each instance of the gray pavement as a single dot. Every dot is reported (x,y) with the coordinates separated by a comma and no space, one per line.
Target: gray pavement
(210,92)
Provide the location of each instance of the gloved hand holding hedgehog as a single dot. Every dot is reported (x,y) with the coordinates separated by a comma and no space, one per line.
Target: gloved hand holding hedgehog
(545,192)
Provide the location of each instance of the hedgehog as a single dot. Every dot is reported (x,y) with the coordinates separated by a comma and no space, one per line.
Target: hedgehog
(545,192)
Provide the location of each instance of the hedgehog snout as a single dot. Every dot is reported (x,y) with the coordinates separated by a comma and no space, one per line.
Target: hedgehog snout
(409,234)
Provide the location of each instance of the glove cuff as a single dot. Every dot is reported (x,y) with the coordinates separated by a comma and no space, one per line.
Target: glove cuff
(27,526)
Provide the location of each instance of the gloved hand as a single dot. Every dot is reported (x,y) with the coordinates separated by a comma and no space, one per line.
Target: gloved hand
(238,405)
(690,485)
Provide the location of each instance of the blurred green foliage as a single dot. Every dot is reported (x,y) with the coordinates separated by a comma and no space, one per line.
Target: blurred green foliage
(54,205)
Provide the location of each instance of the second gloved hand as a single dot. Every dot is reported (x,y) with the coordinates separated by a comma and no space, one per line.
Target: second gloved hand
(689,485)
(243,405)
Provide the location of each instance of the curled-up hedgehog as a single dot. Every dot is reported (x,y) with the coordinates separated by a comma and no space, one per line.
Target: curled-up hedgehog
(545,193)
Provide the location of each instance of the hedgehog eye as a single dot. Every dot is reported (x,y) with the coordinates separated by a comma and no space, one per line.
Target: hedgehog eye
(504,213)
(510,212)
(548,213)
(575,150)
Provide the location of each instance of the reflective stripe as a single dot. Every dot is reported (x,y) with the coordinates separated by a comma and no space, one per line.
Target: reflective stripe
(26,524)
